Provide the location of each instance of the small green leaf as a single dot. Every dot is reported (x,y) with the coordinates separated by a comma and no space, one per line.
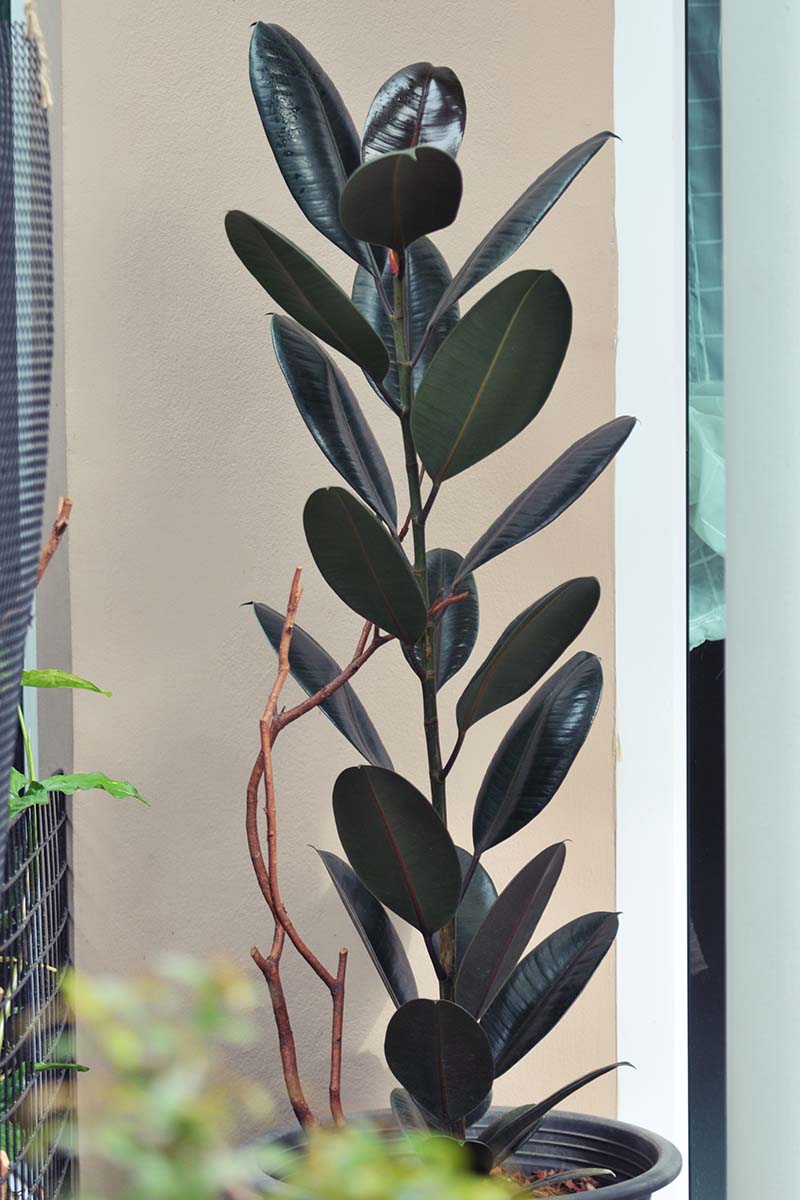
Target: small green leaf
(396,198)
(69,784)
(53,678)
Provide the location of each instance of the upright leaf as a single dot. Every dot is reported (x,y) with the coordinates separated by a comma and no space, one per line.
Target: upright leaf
(533,759)
(527,648)
(313,668)
(473,907)
(516,225)
(418,105)
(507,1132)
(492,374)
(363,563)
(427,276)
(545,985)
(396,198)
(506,931)
(306,291)
(397,846)
(456,627)
(555,490)
(408,1116)
(311,133)
(441,1056)
(375,930)
(330,410)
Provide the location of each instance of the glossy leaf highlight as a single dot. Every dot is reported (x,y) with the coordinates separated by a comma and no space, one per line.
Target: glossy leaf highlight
(418,105)
(456,628)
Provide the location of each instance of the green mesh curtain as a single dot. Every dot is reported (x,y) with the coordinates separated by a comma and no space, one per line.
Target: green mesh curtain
(26,345)
(706,461)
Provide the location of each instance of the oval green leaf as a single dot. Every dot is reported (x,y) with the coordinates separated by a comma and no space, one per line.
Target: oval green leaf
(506,931)
(441,1056)
(334,418)
(456,628)
(397,198)
(555,490)
(533,759)
(376,931)
(427,276)
(397,846)
(418,105)
(516,225)
(313,668)
(307,292)
(311,133)
(527,648)
(363,563)
(51,677)
(492,374)
(545,985)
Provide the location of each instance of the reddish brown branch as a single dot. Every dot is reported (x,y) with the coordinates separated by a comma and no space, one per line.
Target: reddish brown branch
(270,969)
(441,605)
(56,534)
(337,1024)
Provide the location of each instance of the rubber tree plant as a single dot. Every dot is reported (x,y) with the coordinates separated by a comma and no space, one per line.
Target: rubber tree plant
(461,387)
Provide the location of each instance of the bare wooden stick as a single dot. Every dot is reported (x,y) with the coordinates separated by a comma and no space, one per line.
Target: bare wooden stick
(270,969)
(337,1025)
(56,534)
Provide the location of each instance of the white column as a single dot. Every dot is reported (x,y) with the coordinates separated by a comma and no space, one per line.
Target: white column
(761,108)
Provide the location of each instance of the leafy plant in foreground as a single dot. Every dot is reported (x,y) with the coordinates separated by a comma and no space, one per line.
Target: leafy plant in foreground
(461,387)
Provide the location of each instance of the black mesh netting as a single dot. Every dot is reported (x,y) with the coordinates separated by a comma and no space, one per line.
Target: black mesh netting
(26,345)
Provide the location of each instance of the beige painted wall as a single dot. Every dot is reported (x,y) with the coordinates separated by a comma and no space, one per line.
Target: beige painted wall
(190,466)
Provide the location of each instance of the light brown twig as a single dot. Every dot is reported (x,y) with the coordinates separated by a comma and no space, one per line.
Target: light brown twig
(56,534)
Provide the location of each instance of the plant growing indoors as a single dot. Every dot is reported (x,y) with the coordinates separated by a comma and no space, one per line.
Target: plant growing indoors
(461,387)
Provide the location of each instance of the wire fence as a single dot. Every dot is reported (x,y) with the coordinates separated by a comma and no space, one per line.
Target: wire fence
(37,1095)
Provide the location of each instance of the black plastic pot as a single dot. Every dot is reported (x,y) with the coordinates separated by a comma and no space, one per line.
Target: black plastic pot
(642,1161)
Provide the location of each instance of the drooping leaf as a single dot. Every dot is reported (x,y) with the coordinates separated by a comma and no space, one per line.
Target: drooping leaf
(418,105)
(527,648)
(408,1116)
(533,759)
(51,677)
(396,198)
(507,1133)
(34,794)
(376,931)
(69,784)
(363,563)
(397,846)
(516,225)
(553,492)
(311,133)
(306,291)
(313,668)
(440,1054)
(545,985)
(456,627)
(506,931)
(473,906)
(427,276)
(326,403)
(492,374)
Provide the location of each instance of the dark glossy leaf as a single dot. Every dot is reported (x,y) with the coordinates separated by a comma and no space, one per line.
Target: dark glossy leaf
(479,1157)
(306,291)
(397,198)
(508,1132)
(408,1116)
(420,104)
(363,563)
(311,133)
(457,626)
(313,668)
(427,276)
(535,755)
(476,1114)
(516,225)
(473,907)
(527,648)
(375,930)
(553,492)
(545,985)
(496,948)
(397,846)
(493,373)
(441,1056)
(333,415)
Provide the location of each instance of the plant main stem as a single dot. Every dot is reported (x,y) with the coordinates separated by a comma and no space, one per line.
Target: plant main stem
(418,517)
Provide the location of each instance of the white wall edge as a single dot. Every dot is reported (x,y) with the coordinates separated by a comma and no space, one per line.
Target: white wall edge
(651,646)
